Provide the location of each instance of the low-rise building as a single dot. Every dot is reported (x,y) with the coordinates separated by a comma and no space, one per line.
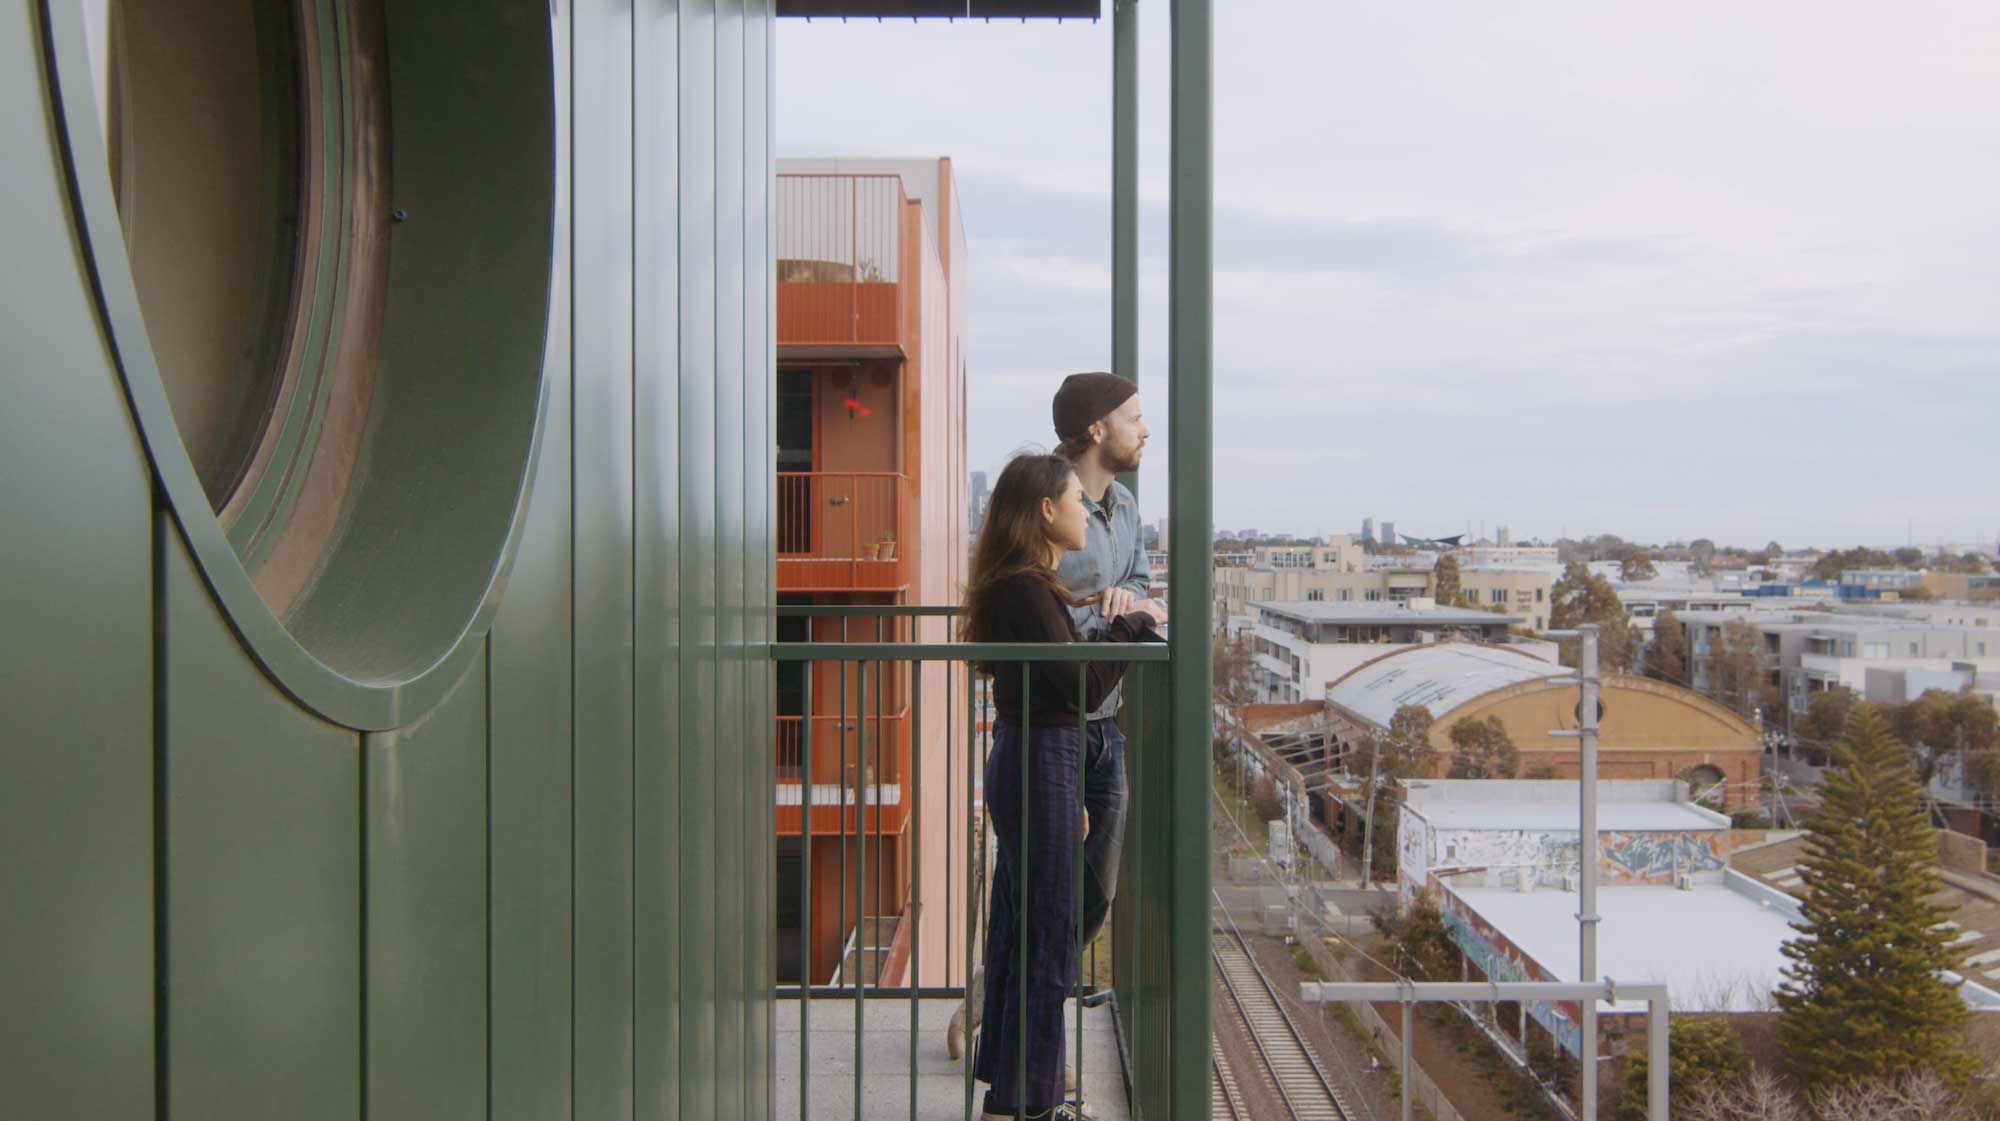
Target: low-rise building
(1807,651)
(1300,647)
(1650,729)
(1513,834)
(1338,572)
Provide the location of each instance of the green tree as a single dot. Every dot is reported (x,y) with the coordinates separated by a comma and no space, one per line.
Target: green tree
(1420,944)
(1699,1053)
(1702,552)
(1667,656)
(1449,589)
(1483,749)
(1583,597)
(1962,724)
(1232,665)
(1907,557)
(1635,566)
(1826,716)
(1831,564)
(1736,673)
(1864,998)
(1403,750)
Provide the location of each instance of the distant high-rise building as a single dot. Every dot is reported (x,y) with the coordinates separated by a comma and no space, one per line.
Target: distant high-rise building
(1166,526)
(1388,533)
(1368,529)
(1503,537)
(979,493)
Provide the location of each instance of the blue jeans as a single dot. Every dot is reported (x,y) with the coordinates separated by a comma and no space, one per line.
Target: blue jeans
(1104,796)
(1047,839)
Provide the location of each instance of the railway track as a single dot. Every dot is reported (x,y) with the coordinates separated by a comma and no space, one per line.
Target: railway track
(1289,1065)
(1225,1100)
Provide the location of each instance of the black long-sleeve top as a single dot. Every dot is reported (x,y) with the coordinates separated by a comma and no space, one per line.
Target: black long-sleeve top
(1025,609)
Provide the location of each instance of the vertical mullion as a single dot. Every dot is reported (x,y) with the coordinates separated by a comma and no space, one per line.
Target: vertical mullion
(1021,903)
(1083,822)
(805,896)
(860,872)
(971,875)
(914,799)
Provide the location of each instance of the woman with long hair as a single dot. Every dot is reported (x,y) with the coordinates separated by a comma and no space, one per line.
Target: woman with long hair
(1034,517)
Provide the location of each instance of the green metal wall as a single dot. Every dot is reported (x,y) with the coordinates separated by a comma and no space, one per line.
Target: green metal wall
(547,894)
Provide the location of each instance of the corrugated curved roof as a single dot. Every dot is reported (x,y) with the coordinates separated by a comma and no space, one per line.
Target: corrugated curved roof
(1440,678)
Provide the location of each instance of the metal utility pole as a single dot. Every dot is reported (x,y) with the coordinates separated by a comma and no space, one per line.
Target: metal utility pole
(1586,917)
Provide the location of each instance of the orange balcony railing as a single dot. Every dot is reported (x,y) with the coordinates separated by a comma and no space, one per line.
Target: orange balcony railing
(839,250)
(858,767)
(843,531)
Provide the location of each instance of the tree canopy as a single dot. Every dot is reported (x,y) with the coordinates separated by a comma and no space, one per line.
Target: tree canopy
(1483,749)
(1864,998)
(1583,597)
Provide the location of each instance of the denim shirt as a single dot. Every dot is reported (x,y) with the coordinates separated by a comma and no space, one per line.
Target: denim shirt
(1113,555)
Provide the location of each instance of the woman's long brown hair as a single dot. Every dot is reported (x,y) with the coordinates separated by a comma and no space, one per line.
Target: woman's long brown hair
(1013,542)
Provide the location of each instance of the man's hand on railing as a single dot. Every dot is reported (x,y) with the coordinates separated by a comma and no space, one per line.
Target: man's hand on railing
(1114,602)
(1156,608)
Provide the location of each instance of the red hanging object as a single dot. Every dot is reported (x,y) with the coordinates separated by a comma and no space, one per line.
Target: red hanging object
(854,406)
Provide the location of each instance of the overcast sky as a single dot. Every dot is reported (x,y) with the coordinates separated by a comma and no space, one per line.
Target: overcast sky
(1702,269)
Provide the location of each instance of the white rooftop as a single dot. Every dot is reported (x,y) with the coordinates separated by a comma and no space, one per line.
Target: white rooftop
(1550,804)
(1440,677)
(1716,948)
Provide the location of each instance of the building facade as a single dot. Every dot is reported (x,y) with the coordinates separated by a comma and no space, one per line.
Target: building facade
(1299,648)
(872,274)
(1650,730)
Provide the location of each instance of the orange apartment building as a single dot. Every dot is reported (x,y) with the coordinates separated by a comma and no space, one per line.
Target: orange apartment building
(872,509)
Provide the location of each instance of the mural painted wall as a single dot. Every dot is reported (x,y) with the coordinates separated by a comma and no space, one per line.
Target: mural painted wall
(1500,960)
(1623,857)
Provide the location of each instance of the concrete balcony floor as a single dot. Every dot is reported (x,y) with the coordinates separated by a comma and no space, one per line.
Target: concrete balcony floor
(885,1059)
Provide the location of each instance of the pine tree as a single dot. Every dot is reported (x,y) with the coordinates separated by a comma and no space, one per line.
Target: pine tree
(1865,998)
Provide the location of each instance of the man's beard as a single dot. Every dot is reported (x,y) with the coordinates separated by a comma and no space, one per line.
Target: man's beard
(1124,459)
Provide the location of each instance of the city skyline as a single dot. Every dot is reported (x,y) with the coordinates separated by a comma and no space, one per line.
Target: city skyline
(1689,291)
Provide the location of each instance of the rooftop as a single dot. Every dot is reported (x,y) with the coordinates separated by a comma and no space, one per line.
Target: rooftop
(1647,806)
(1315,611)
(1440,677)
(1716,947)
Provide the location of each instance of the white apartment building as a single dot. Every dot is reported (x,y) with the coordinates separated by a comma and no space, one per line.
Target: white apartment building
(1298,648)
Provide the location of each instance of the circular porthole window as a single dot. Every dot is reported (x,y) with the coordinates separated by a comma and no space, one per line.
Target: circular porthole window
(323,233)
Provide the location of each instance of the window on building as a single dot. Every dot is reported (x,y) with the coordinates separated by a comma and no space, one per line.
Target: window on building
(1982,650)
(1372,595)
(1314,595)
(1498,595)
(1346,594)
(1847,648)
(1539,593)
(1913,649)
(1876,650)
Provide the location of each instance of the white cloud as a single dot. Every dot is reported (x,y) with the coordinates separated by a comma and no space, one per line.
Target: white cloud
(1701,270)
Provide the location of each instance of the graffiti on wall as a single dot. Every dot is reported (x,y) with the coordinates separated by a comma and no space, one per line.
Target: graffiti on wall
(1412,854)
(1500,960)
(1623,857)
(1658,857)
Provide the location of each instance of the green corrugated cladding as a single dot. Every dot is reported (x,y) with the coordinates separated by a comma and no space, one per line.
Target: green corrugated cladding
(545,896)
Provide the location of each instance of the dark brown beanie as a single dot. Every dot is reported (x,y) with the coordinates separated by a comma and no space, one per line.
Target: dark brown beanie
(1085,399)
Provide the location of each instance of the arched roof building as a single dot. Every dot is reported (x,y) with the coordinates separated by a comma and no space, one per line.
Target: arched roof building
(1650,730)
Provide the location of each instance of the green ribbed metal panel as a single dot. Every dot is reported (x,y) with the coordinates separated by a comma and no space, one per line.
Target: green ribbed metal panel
(544,893)
(76,791)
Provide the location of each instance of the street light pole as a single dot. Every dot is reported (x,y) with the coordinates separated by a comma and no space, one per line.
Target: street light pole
(1588,680)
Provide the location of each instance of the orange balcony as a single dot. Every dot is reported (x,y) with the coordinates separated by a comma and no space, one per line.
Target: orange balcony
(882,744)
(840,249)
(843,531)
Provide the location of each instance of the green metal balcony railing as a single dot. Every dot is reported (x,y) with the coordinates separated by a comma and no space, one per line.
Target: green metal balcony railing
(1161,988)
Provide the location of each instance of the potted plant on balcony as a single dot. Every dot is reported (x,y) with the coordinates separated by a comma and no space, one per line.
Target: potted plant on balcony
(885,549)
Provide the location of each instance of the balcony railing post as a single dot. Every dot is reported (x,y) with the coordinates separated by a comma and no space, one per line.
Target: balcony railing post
(860,875)
(805,901)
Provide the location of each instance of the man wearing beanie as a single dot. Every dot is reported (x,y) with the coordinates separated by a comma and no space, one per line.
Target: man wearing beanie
(1099,429)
